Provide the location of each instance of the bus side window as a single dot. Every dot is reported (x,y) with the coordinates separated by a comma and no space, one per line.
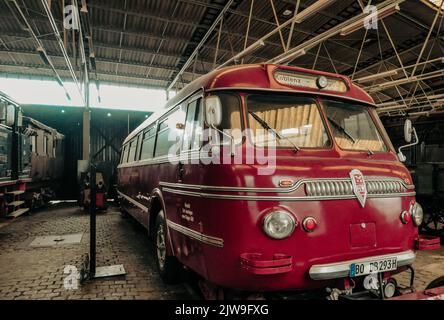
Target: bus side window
(132,150)
(170,133)
(54,147)
(124,154)
(196,141)
(34,143)
(148,140)
(189,126)
(45,145)
(138,147)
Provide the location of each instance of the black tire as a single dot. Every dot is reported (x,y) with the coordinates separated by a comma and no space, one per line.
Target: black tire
(169,268)
(123,213)
(436,283)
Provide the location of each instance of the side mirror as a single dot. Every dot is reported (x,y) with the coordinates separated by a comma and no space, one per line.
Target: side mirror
(213,117)
(408,131)
(10,115)
(213,111)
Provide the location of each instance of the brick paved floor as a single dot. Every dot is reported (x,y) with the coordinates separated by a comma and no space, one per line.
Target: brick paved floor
(37,273)
(428,266)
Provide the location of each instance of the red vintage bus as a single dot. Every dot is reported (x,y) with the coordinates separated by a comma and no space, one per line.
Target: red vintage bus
(337,208)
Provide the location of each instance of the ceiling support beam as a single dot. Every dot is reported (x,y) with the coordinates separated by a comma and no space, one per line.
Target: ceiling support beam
(247,34)
(435,20)
(27,69)
(313,42)
(262,40)
(101,61)
(201,43)
(53,24)
(40,50)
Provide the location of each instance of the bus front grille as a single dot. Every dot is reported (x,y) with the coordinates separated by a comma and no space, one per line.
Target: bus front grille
(345,188)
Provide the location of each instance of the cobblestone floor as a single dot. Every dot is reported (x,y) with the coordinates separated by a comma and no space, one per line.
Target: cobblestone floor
(428,266)
(38,273)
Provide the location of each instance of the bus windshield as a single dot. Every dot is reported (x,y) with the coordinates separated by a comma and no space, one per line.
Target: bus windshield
(286,121)
(353,127)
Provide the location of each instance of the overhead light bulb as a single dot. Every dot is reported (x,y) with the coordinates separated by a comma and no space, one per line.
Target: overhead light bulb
(287,13)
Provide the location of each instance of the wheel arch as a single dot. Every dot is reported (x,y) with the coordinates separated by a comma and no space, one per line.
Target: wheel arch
(157,205)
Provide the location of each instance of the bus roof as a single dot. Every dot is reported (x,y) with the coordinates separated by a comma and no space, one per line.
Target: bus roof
(257,77)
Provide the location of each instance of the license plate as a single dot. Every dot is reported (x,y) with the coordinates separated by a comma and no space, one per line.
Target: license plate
(366,268)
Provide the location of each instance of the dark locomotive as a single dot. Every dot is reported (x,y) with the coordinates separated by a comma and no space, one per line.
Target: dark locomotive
(31,160)
(426,164)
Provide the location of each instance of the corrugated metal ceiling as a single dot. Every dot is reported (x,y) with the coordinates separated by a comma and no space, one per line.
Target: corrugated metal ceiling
(145,42)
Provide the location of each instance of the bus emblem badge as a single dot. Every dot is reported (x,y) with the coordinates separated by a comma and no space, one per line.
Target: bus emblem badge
(359,187)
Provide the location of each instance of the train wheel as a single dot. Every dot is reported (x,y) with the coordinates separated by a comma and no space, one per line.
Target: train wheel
(436,283)
(169,268)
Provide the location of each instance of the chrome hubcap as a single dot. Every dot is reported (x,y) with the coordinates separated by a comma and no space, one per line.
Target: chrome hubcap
(161,247)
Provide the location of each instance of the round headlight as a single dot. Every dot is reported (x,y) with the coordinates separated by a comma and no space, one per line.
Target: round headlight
(279,225)
(417,214)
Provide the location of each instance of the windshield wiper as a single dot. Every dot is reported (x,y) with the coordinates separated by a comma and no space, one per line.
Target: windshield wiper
(342,129)
(266,126)
(347,134)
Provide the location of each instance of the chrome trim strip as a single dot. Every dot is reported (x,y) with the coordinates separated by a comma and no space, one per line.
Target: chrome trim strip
(278,198)
(212,241)
(342,269)
(134,202)
(193,155)
(308,93)
(296,186)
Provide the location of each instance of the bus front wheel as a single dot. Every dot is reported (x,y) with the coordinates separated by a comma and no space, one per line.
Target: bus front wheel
(169,268)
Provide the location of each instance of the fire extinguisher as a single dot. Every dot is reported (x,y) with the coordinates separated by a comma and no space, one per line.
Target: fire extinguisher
(100,195)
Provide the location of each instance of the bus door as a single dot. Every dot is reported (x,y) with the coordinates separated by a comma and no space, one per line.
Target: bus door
(190,172)
(133,185)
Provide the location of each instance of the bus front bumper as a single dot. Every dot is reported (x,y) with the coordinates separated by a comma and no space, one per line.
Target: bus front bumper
(342,269)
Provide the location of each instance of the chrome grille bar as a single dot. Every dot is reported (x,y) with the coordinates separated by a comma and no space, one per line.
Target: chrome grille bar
(345,187)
